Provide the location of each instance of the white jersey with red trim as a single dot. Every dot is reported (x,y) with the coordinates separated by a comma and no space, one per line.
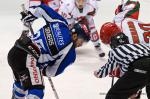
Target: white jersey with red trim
(127,20)
(70,11)
(137,32)
(128,10)
(73,14)
(54,4)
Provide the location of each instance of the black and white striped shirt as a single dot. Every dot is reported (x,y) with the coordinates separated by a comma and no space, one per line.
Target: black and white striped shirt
(123,56)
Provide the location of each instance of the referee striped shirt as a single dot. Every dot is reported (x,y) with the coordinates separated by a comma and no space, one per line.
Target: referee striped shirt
(122,56)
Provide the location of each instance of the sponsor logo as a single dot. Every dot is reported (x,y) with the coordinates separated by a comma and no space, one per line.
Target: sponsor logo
(35,72)
(51,41)
(59,36)
(34,52)
(84,27)
(49,36)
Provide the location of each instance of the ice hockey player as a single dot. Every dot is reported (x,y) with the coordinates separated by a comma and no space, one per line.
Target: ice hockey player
(54,4)
(80,34)
(47,52)
(126,20)
(134,61)
(82,12)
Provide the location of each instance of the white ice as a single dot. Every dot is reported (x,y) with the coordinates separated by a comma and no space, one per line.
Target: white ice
(77,82)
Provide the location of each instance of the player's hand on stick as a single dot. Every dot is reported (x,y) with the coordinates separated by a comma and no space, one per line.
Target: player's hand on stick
(27,17)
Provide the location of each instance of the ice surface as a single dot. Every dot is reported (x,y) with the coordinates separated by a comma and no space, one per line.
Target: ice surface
(77,82)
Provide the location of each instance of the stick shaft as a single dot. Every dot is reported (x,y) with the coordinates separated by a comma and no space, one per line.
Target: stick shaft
(112,82)
(53,88)
(122,3)
(30,27)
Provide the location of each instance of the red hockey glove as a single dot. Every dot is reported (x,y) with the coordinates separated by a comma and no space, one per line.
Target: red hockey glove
(116,73)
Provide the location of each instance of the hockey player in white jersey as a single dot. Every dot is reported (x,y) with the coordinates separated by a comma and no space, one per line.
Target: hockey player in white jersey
(82,12)
(54,4)
(126,20)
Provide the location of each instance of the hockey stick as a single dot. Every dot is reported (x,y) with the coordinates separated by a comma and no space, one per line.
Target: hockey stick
(53,88)
(32,32)
(112,81)
(122,3)
(29,24)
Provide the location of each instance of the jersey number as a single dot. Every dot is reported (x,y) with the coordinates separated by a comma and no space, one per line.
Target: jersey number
(144,27)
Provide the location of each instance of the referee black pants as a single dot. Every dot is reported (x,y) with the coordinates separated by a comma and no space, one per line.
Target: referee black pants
(148,91)
(137,76)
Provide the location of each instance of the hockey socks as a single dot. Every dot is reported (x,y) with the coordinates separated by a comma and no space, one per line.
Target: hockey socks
(18,91)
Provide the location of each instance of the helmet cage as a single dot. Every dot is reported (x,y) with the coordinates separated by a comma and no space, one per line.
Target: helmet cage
(118,39)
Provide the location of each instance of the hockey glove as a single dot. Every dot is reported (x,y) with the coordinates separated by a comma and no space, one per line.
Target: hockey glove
(115,73)
(26,44)
(118,10)
(27,18)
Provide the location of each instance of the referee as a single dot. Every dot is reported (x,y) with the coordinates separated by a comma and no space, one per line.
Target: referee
(134,61)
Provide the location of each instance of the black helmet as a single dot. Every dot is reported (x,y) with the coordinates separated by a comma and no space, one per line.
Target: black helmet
(80,34)
(82,31)
(119,39)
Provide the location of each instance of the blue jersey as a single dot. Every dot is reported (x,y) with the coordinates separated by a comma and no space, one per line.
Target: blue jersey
(54,41)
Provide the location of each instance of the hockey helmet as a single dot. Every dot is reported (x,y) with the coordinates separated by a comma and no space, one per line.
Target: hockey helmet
(80,34)
(80,3)
(108,30)
(118,39)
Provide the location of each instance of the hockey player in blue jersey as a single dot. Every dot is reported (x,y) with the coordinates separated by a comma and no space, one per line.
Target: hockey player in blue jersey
(47,52)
